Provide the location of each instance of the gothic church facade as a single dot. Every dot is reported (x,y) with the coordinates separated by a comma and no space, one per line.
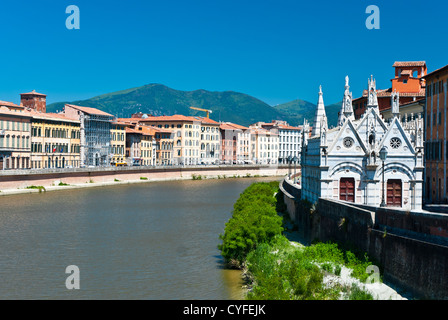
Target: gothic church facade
(343,163)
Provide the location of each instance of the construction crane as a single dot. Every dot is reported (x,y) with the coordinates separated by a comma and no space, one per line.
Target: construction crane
(205,110)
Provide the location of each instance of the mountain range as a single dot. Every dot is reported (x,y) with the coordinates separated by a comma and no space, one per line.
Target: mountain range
(240,108)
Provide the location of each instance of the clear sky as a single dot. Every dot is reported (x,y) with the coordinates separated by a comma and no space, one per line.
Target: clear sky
(275,50)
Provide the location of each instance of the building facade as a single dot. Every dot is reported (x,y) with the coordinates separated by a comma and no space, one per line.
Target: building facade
(408,81)
(289,139)
(118,143)
(264,146)
(15,144)
(235,143)
(185,133)
(164,146)
(436,148)
(344,163)
(196,140)
(55,141)
(210,141)
(95,134)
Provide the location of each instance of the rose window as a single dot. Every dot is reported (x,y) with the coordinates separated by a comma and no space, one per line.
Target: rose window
(348,142)
(395,143)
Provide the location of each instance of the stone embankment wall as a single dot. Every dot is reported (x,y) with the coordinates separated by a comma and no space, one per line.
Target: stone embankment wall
(410,247)
(19,180)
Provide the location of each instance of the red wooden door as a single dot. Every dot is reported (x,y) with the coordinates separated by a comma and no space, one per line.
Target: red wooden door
(347,189)
(394,192)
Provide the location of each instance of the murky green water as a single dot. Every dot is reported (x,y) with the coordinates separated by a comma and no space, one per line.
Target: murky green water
(145,241)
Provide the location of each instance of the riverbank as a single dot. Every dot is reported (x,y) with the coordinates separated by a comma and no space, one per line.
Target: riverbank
(12,183)
(257,239)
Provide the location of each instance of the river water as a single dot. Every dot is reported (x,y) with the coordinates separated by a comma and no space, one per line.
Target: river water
(155,240)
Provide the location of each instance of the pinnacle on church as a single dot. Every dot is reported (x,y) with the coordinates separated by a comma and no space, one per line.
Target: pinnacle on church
(319,115)
(347,107)
(395,103)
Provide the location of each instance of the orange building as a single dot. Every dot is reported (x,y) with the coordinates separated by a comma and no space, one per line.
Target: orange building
(409,82)
(436,148)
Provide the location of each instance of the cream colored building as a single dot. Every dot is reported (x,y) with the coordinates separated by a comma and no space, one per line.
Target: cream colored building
(15,126)
(264,146)
(210,141)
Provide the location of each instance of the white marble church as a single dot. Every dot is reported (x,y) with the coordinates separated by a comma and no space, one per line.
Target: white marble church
(344,163)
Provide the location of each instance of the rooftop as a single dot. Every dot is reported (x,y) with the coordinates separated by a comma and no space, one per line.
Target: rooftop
(409,64)
(177,117)
(51,116)
(9,104)
(34,93)
(89,110)
(442,69)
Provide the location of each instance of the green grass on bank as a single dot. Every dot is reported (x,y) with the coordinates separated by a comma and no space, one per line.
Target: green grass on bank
(276,269)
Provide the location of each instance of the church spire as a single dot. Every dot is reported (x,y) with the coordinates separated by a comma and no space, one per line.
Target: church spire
(347,107)
(319,115)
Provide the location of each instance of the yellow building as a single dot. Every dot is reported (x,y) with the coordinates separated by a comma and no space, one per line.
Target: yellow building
(55,141)
(118,143)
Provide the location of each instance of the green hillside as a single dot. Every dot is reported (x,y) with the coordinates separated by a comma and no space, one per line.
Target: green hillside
(297,110)
(157,99)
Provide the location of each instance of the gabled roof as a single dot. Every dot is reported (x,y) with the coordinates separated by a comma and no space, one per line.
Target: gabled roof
(89,110)
(52,116)
(379,119)
(348,124)
(396,123)
(232,126)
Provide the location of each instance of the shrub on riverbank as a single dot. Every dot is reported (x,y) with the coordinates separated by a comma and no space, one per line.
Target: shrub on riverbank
(254,221)
(274,268)
(281,271)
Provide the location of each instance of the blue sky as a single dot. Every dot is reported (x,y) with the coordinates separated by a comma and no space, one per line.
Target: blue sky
(276,51)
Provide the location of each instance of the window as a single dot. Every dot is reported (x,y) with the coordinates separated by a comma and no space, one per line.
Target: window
(395,143)
(348,142)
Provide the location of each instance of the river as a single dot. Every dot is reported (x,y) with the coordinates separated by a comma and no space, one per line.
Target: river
(156,240)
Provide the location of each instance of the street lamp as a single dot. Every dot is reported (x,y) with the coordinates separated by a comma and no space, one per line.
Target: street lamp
(289,171)
(295,166)
(383,156)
